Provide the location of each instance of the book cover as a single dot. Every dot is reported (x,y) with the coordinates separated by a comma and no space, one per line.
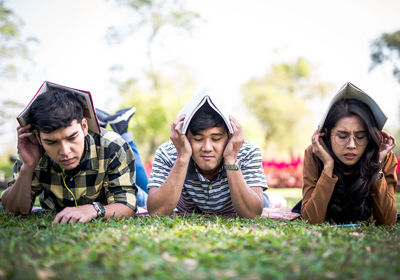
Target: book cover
(199,100)
(350,91)
(88,111)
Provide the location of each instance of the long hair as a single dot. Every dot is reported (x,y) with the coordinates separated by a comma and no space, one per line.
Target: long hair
(351,199)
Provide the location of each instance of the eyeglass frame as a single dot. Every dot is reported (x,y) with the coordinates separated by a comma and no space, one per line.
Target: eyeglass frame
(351,135)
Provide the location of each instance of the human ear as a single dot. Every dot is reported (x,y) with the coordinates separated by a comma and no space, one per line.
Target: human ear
(85,126)
(37,137)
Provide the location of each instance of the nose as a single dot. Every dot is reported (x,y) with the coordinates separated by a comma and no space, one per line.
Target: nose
(352,143)
(65,148)
(207,145)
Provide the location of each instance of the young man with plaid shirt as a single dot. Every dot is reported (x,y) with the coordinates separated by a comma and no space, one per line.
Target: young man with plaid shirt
(80,174)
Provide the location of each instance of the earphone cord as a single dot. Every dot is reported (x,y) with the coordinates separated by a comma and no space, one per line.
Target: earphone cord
(63,175)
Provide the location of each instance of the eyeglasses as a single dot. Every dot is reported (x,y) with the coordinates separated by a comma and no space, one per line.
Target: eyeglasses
(343,138)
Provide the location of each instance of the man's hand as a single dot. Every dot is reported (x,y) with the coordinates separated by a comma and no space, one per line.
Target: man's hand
(179,139)
(28,147)
(79,214)
(235,142)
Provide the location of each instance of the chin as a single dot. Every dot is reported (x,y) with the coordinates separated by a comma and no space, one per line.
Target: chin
(350,163)
(69,167)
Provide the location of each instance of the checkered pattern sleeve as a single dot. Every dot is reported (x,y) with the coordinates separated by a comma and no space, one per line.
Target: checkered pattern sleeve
(119,182)
(36,189)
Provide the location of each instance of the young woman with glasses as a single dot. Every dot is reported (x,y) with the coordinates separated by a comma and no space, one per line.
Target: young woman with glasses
(349,169)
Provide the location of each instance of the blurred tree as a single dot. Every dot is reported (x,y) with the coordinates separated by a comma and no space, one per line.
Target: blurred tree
(154,16)
(156,109)
(160,99)
(386,48)
(279,101)
(12,48)
(11,44)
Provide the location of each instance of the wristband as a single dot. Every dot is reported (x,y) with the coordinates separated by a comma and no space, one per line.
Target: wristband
(99,209)
(234,166)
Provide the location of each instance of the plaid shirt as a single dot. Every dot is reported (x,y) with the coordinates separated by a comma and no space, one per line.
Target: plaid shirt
(105,174)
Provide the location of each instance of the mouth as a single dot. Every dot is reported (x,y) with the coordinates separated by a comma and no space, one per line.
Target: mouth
(350,156)
(207,157)
(66,162)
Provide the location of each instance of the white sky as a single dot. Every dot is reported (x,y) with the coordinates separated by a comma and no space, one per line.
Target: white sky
(238,40)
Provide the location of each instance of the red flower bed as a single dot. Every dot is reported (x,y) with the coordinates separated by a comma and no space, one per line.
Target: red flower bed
(281,174)
(278,173)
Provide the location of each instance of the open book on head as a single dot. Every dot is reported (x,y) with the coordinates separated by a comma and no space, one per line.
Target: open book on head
(350,91)
(199,100)
(88,111)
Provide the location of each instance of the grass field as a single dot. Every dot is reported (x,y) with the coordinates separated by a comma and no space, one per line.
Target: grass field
(196,247)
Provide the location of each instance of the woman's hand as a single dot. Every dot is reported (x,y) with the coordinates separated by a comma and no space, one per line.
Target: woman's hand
(388,142)
(320,150)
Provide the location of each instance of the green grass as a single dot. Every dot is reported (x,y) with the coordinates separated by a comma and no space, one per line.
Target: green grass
(195,247)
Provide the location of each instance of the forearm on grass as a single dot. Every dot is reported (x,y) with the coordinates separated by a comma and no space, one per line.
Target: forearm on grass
(17,199)
(248,202)
(163,200)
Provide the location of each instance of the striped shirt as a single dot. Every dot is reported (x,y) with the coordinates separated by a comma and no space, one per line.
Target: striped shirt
(106,173)
(199,194)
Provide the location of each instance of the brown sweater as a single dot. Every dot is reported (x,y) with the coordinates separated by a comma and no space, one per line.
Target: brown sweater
(317,191)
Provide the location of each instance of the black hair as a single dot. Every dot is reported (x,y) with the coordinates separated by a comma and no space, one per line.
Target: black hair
(206,117)
(351,199)
(54,109)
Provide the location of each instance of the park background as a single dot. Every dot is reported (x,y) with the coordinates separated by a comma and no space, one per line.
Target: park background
(276,64)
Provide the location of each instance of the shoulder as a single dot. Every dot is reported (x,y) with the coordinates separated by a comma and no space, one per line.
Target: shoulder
(249,153)
(308,151)
(107,139)
(389,161)
(108,143)
(165,155)
(167,149)
(248,147)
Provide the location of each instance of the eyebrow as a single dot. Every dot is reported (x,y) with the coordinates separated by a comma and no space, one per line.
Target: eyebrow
(345,131)
(68,137)
(213,134)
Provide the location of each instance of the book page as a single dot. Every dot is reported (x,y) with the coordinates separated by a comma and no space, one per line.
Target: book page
(195,104)
(85,96)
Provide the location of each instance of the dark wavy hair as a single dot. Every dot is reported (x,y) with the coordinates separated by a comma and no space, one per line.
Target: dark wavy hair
(55,109)
(351,199)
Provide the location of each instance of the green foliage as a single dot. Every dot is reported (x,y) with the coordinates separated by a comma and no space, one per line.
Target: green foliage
(386,48)
(195,247)
(278,100)
(6,167)
(156,109)
(11,44)
(153,15)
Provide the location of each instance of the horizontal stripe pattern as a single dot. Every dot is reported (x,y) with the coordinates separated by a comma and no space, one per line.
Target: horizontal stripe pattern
(199,194)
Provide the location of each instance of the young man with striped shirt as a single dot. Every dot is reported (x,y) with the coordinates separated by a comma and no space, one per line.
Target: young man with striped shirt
(207,170)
